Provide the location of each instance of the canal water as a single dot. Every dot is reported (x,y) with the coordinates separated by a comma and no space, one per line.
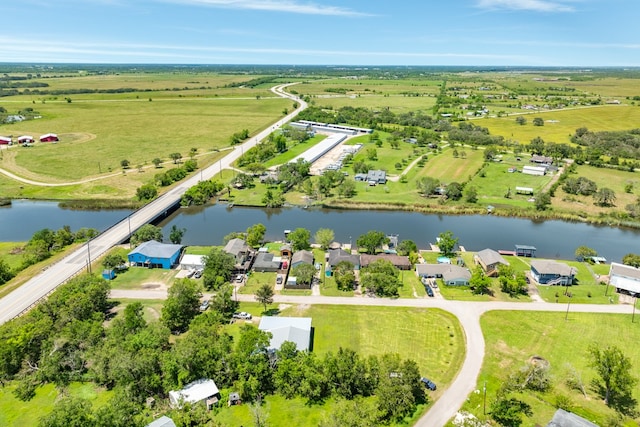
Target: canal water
(207,225)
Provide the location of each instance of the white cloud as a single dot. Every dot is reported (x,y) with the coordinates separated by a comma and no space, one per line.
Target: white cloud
(533,5)
(290,6)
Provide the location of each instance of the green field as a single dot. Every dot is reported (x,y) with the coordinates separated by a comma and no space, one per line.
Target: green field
(431,337)
(564,345)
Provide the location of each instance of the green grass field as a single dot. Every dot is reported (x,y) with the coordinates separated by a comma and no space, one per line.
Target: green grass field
(564,345)
(431,337)
(11,254)
(16,413)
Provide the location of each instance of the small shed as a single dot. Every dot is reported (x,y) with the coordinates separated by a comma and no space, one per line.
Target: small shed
(234,399)
(524,190)
(163,421)
(5,140)
(563,418)
(108,274)
(534,170)
(285,251)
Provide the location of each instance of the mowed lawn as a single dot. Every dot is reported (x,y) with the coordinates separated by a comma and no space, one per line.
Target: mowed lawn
(513,338)
(431,337)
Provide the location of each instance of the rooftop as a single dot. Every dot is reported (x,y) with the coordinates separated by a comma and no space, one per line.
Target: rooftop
(153,249)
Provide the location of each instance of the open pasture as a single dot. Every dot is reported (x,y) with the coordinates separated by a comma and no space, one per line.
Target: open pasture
(562,343)
(366,86)
(396,103)
(561,124)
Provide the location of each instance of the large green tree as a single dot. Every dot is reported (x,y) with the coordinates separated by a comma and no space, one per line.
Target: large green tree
(223,301)
(218,266)
(372,240)
(381,278)
(299,239)
(447,243)
(616,375)
(146,233)
(344,276)
(182,305)
(324,237)
(264,295)
(508,411)
(304,273)
(632,260)
(255,234)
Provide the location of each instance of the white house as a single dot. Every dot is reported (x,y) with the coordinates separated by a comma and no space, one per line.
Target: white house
(625,278)
(294,329)
(203,390)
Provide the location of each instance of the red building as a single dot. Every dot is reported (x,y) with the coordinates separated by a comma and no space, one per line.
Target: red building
(49,137)
(5,140)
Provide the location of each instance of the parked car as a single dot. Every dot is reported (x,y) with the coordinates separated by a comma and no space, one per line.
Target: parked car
(240,278)
(197,274)
(430,385)
(429,290)
(204,305)
(242,315)
(279,280)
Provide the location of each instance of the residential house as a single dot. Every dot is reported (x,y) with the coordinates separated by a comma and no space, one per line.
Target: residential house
(451,275)
(203,390)
(302,257)
(377,177)
(490,260)
(625,278)
(242,252)
(547,272)
(563,418)
(541,160)
(267,262)
(154,254)
(163,421)
(294,329)
(398,261)
(338,255)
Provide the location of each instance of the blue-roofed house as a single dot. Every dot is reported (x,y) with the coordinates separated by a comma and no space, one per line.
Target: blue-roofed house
(154,254)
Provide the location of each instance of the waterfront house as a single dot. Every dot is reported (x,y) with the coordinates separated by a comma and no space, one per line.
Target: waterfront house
(154,254)
(625,278)
(267,262)
(302,257)
(490,260)
(547,272)
(242,253)
(400,262)
(338,255)
(451,275)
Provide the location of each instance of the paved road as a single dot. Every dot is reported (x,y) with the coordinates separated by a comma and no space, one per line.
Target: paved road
(77,261)
(467,312)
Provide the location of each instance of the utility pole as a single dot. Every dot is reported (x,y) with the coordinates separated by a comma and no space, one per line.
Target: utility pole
(484,405)
(566,316)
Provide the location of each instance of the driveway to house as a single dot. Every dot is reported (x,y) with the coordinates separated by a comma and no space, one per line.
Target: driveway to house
(467,312)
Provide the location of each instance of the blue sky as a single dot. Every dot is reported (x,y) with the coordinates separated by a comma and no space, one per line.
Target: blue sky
(349,32)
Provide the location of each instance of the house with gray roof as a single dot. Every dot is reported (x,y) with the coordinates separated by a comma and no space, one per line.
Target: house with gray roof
(547,272)
(450,274)
(377,177)
(301,257)
(338,255)
(294,329)
(153,254)
(242,253)
(563,418)
(490,260)
(200,391)
(267,262)
(163,421)
(625,278)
